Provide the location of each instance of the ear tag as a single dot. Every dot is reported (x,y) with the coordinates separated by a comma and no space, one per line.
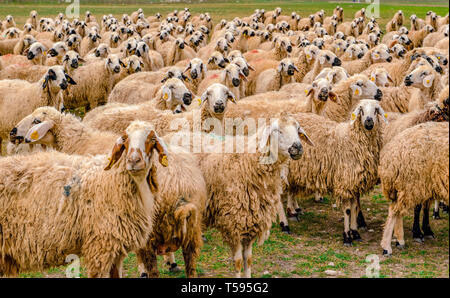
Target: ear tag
(439,58)
(186,79)
(164,161)
(353,116)
(338,49)
(308,56)
(385,115)
(199,101)
(306,91)
(34,136)
(372,78)
(356,91)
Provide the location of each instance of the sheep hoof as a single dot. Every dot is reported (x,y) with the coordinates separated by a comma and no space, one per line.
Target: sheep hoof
(429,236)
(299,211)
(356,236)
(418,240)
(436,215)
(174,268)
(144,275)
(285,228)
(386,253)
(347,239)
(399,246)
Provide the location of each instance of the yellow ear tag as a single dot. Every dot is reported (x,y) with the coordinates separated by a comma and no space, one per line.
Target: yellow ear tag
(377,56)
(34,135)
(165,96)
(353,116)
(306,91)
(338,49)
(308,56)
(186,79)
(385,115)
(199,101)
(164,161)
(45,53)
(439,58)
(356,91)
(372,79)
(428,81)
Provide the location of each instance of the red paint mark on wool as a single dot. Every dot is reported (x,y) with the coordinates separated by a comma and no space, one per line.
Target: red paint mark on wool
(214,76)
(254,51)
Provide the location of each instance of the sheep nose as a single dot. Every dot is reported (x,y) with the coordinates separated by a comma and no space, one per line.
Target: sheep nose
(97,53)
(408,81)
(219,107)
(379,95)
(74,64)
(13,132)
(194,74)
(389,59)
(222,64)
(63,85)
(117,69)
(368,123)
(336,62)
(236,82)
(69,43)
(187,98)
(445,61)
(360,55)
(138,69)
(439,69)
(181,45)
(289,49)
(246,71)
(138,53)
(296,151)
(30,56)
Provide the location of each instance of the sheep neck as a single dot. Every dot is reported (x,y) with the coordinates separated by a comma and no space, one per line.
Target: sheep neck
(278,53)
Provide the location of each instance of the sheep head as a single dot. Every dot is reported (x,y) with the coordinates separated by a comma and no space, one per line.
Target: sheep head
(422,77)
(367,112)
(361,87)
(380,77)
(216,97)
(138,143)
(56,78)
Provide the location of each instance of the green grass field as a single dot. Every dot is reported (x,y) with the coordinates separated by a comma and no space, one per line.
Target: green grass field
(315,245)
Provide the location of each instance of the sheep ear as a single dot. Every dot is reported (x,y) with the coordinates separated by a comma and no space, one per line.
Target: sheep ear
(279,68)
(268,130)
(332,96)
(70,80)
(81,60)
(322,60)
(304,137)
(123,64)
(117,151)
(242,76)
(187,67)
(382,113)
(159,145)
(389,78)
(428,81)
(231,97)
(309,91)
(355,114)
(44,85)
(250,67)
(203,98)
(166,93)
(356,90)
(38,131)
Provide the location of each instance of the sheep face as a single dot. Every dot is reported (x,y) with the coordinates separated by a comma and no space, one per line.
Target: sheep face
(381,54)
(232,73)
(113,63)
(354,51)
(36,50)
(58,49)
(217,97)
(114,38)
(141,49)
(380,77)
(28,40)
(282,138)
(135,64)
(93,35)
(320,90)
(12,33)
(196,69)
(37,127)
(363,88)
(222,45)
(179,42)
(102,50)
(218,59)
(367,113)
(284,44)
(136,145)
(311,52)
(56,77)
(398,50)
(328,58)
(287,67)
(73,40)
(243,65)
(422,77)
(175,72)
(175,92)
(73,59)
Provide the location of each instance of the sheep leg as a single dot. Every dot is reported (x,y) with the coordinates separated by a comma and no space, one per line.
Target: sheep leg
(399,233)
(444,207)
(353,224)
(248,260)
(361,220)
(436,210)
(283,219)
(388,230)
(148,263)
(8,267)
(116,270)
(426,228)
(417,233)
(1,141)
(237,258)
(189,255)
(170,261)
(293,211)
(346,206)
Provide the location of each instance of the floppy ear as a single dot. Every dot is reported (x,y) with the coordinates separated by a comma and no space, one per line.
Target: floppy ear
(187,67)
(280,67)
(166,93)
(231,96)
(355,114)
(66,58)
(70,80)
(203,98)
(38,131)
(250,67)
(44,85)
(210,60)
(117,151)
(268,130)
(153,141)
(123,64)
(309,91)
(332,96)
(428,81)
(242,76)
(304,137)
(356,90)
(81,60)
(389,78)
(382,113)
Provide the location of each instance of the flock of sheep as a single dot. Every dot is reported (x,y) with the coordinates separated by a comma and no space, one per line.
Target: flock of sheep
(346,105)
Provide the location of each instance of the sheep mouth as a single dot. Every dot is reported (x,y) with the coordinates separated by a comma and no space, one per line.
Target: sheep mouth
(379,95)
(389,59)
(408,82)
(219,109)
(296,156)
(337,62)
(323,97)
(236,82)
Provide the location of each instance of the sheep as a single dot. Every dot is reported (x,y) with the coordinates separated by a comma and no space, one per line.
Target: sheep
(229,204)
(317,172)
(152,59)
(216,61)
(416,23)
(306,23)
(173,52)
(398,51)
(75,181)
(417,37)
(442,44)
(413,171)
(33,19)
(20,98)
(89,42)
(375,55)
(396,22)
(231,77)
(24,42)
(274,79)
(305,60)
(94,83)
(281,50)
(380,77)
(324,59)
(9,22)
(74,42)
(220,45)
(353,52)
(197,72)
(431,19)
(7,46)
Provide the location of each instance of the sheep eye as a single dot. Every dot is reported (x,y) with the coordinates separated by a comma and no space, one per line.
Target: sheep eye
(36,121)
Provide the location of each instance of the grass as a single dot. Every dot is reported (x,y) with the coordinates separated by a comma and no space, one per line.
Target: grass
(315,245)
